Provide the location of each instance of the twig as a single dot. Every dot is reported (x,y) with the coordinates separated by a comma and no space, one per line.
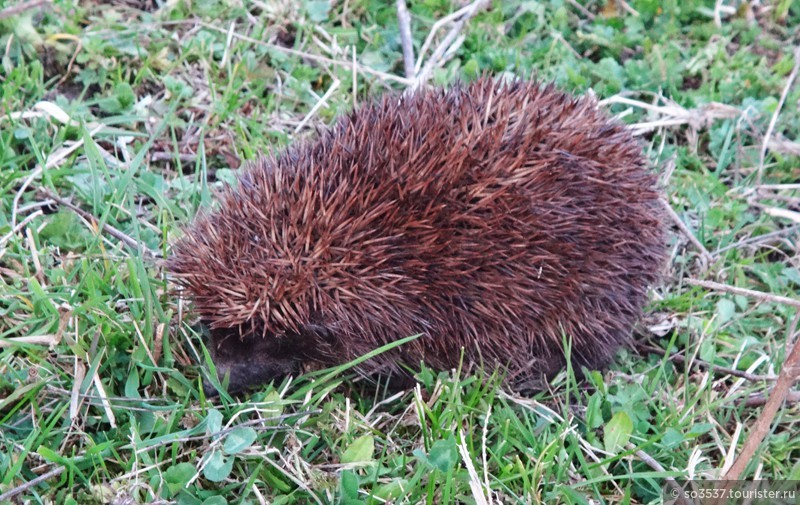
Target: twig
(19,226)
(760,399)
(687,232)
(258,424)
(582,9)
(557,37)
(652,463)
(114,232)
(24,6)
(444,45)
(781,145)
(52,161)
(789,371)
(24,487)
(767,297)
(708,366)
(627,8)
(78,47)
(404,20)
(762,156)
(760,238)
(646,458)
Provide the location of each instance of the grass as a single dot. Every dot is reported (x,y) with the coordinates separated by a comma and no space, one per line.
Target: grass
(163,104)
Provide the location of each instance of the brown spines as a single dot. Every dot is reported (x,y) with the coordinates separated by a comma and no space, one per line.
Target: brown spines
(493,216)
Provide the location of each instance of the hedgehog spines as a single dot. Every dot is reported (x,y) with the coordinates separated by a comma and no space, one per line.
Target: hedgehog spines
(493,217)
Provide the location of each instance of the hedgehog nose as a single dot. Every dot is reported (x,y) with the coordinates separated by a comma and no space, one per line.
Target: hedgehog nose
(209,390)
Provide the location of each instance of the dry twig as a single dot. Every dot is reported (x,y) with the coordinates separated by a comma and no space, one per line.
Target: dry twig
(583,10)
(760,399)
(114,232)
(760,239)
(52,161)
(20,226)
(5,497)
(782,145)
(688,233)
(767,297)
(708,366)
(22,7)
(404,20)
(652,463)
(789,372)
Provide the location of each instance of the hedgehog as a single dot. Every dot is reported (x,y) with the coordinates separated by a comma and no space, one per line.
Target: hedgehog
(497,220)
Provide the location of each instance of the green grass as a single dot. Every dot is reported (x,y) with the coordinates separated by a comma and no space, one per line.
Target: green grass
(165,105)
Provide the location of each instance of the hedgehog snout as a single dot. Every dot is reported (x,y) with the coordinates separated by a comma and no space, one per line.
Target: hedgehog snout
(245,361)
(242,375)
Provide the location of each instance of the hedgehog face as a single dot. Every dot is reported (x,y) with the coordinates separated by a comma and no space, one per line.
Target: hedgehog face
(250,360)
(260,357)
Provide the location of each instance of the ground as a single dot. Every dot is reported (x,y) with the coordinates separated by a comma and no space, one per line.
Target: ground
(119,120)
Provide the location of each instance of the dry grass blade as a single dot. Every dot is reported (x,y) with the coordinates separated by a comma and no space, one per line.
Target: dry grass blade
(782,213)
(52,160)
(49,340)
(789,81)
(672,114)
(314,57)
(474,481)
(444,45)
(20,226)
(322,102)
